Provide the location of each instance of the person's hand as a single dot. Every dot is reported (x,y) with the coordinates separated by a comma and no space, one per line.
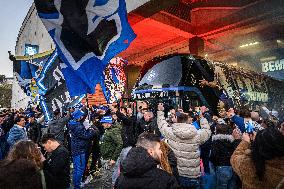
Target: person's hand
(112,108)
(203,82)
(129,111)
(230,113)
(249,137)
(161,107)
(215,118)
(180,110)
(237,134)
(112,162)
(203,109)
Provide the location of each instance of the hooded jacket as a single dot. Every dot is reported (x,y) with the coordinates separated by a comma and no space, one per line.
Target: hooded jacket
(139,171)
(80,137)
(184,139)
(222,149)
(56,127)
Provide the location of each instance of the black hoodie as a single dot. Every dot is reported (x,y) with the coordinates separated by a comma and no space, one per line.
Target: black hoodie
(139,171)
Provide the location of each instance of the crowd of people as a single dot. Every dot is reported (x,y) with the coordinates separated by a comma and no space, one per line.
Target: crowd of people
(149,148)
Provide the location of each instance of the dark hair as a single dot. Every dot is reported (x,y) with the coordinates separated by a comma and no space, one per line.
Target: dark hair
(147,140)
(56,112)
(268,123)
(245,113)
(182,118)
(20,173)
(124,108)
(268,144)
(223,129)
(47,137)
(18,118)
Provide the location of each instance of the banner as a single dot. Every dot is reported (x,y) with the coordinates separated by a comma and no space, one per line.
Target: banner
(26,70)
(52,88)
(274,68)
(87,34)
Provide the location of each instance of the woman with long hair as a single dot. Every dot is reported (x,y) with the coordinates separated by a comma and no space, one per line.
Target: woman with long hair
(26,150)
(259,159)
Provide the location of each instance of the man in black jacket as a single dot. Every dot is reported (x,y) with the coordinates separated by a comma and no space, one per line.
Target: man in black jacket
(128,126)
(148,124)
(57,125)
(57,166)
(139,169)
(34,129)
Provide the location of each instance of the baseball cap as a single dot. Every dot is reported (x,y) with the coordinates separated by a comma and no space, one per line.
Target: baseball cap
(106,119)
(77,114)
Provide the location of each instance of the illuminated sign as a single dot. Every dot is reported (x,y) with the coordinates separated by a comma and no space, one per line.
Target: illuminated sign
(31,49)
(272,66)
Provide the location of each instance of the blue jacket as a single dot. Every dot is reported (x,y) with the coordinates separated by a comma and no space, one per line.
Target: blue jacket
(15,134)
(80,137)
(240,122)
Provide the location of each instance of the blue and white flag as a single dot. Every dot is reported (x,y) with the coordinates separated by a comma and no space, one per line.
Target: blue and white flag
(52,88)
(87,34)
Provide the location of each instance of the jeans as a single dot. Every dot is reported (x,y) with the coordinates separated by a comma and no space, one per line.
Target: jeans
(4,147)
(225,178)
(107,172)
(79,162)
(191,183)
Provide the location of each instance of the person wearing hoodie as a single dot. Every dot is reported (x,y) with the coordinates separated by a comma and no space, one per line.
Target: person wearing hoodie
(222,148)
(80,139)
(185,140)
(139,170)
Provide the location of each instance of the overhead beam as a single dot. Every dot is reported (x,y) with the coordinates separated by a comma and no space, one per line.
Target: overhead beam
(249,14)
(154,6)
(173,21)
(147,53)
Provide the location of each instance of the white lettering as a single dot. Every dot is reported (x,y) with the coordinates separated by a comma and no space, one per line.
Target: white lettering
(277,65)
(265,67)
(258,96)
(271,66)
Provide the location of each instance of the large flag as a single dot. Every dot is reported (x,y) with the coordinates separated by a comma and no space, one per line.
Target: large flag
(52,88)
(26,70)
(87,34)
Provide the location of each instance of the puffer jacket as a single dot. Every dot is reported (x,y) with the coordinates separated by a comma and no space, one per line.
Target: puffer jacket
(80,137)
(222,149)
(139,171)
(184,139)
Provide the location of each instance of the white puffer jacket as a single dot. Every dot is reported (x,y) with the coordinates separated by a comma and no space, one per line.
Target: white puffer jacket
(184,139)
